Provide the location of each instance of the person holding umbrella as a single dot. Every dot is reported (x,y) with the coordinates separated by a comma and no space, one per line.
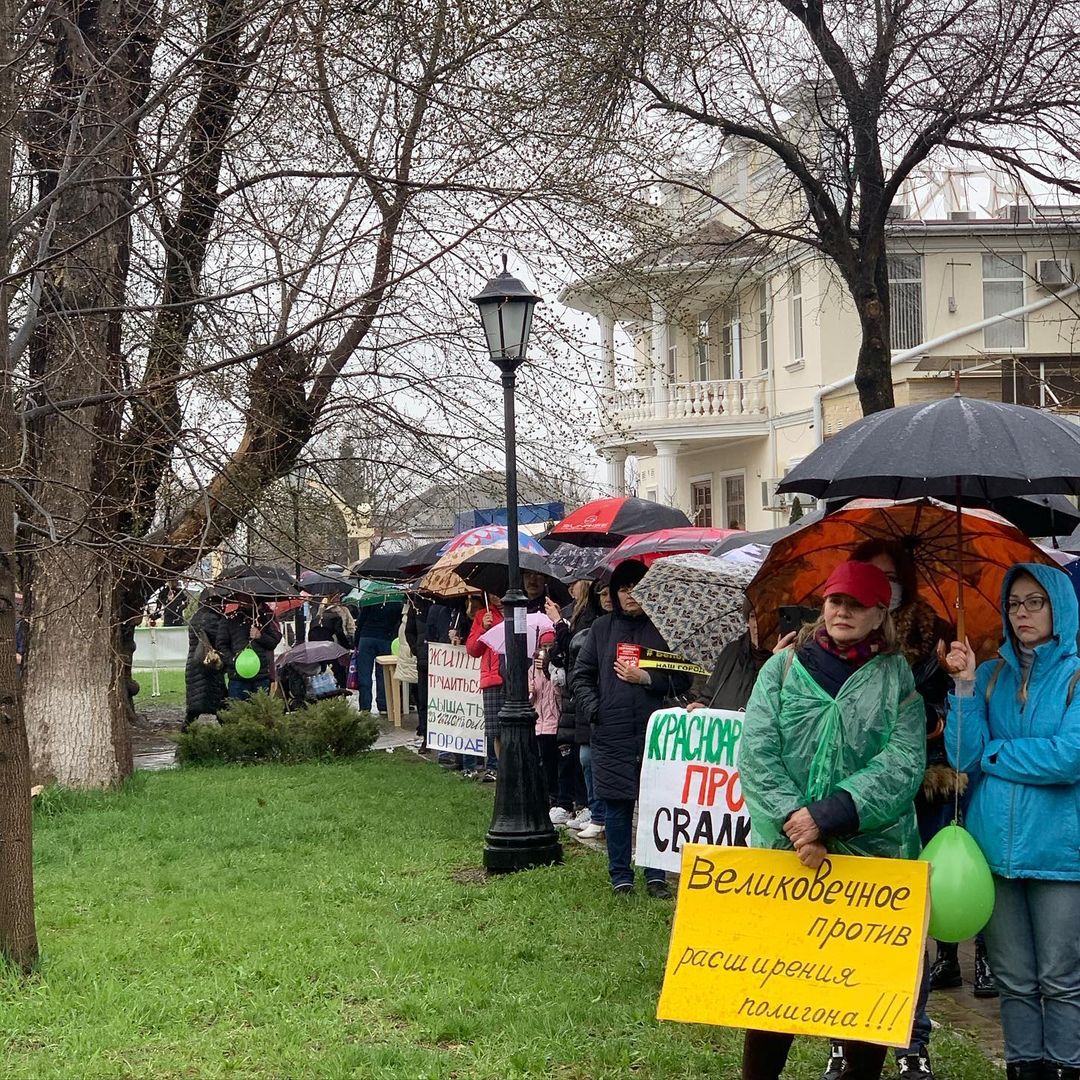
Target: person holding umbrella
(617,697)
(1014,723)
(833,750)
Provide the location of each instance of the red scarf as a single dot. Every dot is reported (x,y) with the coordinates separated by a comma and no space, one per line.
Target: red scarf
(856,654)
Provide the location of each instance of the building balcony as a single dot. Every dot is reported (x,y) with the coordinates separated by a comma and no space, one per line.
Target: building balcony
(699,410)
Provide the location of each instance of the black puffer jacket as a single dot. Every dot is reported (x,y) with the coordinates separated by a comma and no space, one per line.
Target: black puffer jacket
(732,680)
(238,631)
(569,637)
(619,711)
(205,686)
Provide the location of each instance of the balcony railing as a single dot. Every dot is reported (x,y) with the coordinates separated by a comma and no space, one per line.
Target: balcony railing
(716,398)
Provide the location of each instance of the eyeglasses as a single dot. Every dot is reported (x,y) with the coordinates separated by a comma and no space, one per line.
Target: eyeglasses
(1029,603)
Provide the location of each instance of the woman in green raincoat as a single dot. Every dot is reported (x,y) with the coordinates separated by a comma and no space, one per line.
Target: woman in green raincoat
(833,751)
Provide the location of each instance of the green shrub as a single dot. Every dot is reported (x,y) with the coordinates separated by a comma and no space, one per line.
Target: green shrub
(261,708)
(259,729)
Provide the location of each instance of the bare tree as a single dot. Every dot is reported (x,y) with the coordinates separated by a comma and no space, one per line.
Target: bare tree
(847,100)
(234,217)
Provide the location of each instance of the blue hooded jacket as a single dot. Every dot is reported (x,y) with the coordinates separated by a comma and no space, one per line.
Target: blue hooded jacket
(1024,759)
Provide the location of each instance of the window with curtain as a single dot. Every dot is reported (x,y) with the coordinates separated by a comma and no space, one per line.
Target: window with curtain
(701,503)
(1003,290)
(763,326)
(735,501)
(905,301)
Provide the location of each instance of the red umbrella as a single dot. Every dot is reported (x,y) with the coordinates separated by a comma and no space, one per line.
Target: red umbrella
(607,522)
(650,546)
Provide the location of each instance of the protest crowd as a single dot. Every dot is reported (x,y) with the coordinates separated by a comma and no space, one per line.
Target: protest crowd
(896,667)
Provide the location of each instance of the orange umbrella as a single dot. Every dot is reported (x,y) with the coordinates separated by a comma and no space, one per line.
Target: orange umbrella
(977,554)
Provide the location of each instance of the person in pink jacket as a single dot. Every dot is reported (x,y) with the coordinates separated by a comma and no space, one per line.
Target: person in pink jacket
(491,686)
(545,699)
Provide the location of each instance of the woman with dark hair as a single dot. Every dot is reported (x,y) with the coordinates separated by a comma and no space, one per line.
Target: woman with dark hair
(617,697)
(833,750)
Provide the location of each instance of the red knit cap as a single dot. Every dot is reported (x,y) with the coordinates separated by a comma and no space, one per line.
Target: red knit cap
(861,581)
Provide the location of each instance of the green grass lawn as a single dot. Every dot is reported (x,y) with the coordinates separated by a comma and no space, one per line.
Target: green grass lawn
(322,921)
(171,684)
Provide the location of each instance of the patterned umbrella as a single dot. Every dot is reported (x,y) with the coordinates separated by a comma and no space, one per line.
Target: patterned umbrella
(696,601)
(661,543)
(442,580)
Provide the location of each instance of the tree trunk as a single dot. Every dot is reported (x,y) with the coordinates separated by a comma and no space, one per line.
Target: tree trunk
(75,711)
(873,372)
(18,935)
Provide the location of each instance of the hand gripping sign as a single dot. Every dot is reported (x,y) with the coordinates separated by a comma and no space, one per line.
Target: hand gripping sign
(760,941)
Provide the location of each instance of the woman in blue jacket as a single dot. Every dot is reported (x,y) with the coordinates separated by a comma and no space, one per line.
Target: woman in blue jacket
(1014,726)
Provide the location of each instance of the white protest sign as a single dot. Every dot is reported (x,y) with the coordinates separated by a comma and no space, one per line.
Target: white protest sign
(690,788)
(455,702)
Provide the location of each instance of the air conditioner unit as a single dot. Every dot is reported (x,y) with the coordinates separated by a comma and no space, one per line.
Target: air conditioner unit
(1018,212)
(771,499)
(961,215)
(1053,273)
(898,212)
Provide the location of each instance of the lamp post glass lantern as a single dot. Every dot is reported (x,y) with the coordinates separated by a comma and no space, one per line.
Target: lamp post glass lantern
(297,479)
(521,834)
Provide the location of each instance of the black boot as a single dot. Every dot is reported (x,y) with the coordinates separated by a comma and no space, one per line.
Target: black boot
(1053,1071)
(835,1068)
(945,970)
(985,987)
(1024,1070)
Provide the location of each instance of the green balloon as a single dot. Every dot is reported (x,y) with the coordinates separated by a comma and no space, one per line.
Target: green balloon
(395,646)
(961,885)
(247,664)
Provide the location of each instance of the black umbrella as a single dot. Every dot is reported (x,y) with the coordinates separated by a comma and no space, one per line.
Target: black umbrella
(423,557)
(257,579)
(487,570)
(383,566)
(322,583)
(766,537)
(952,449)
(958,450)
(1036,515)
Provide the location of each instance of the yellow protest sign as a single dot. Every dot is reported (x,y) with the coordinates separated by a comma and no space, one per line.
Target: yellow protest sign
(760,941)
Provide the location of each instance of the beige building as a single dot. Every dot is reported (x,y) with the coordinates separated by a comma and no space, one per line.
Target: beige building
(742,362)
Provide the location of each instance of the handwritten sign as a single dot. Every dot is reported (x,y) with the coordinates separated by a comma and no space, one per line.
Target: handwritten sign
(455,702)
(760,941)
(690,790)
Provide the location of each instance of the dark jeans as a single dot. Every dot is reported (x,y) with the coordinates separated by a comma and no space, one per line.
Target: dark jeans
(367,648)
(421,702)
(571,792)
(620,843)
(549,760)
(241,689)
(920,1032)
(765,1055)
(596,804)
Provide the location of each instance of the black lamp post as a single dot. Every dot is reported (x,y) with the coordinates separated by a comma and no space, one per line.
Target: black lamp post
(521,834)
(297,479)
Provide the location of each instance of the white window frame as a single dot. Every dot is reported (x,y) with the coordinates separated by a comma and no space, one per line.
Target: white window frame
(994,336)
(764,319)
(731,359)
(672,363)
(726,515)
(798,344)
(703,352)
(901,283)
